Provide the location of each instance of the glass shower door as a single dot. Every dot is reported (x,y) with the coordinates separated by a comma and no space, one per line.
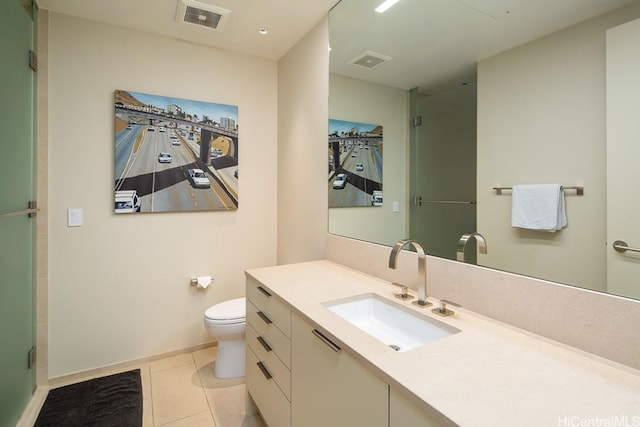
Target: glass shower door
(16,230)
(443,169)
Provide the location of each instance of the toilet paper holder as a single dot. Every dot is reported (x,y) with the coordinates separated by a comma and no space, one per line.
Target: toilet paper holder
(201,281)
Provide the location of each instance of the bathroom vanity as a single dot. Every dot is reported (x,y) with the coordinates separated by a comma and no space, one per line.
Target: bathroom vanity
(268,354)
(322,369)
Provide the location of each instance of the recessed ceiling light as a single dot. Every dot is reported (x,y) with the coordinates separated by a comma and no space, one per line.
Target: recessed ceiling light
(385,5)
(263,31)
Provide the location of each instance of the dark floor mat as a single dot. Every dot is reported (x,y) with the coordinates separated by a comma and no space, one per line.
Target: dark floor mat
(114,400)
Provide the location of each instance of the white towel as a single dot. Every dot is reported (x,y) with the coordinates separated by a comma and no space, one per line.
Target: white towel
(538,207)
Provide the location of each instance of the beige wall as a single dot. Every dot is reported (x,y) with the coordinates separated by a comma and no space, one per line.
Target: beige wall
(541,119)
(359,101)
(303,87)
(119,285)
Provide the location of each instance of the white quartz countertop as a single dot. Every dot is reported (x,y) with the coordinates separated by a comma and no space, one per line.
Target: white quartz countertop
(489,374)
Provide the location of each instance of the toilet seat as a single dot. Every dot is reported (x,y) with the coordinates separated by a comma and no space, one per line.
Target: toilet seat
(227,312)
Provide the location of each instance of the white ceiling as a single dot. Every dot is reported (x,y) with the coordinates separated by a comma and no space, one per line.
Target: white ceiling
(432,42)
(287,21)
(437,43)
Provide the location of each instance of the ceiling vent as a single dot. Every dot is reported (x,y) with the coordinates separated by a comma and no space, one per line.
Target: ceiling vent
(197,13)
(369,59)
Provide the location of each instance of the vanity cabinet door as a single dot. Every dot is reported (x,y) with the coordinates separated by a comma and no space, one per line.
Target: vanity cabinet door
(404,413)
(268,355)
(329,387)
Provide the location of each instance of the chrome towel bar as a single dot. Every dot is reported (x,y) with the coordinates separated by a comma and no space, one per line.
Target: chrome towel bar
(32,210)
(417,201)
(452,202)
(579,189)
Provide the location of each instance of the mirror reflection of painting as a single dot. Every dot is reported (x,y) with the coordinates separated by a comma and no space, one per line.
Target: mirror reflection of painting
(355,164)
(174,155)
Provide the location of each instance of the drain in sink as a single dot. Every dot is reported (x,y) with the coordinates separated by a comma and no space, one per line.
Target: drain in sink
(395,347)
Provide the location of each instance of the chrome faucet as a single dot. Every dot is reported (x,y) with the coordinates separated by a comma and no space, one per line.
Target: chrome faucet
(422,268)
(462,244)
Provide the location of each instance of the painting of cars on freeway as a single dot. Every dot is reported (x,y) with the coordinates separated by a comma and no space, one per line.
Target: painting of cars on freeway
(174,155)
(355,164)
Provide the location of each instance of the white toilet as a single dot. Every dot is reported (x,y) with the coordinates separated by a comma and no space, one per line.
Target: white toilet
(226,322)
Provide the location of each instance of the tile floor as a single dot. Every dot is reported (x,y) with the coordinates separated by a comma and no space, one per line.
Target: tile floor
(181,391)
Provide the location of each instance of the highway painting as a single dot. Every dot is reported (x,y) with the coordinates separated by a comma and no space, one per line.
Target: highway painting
(174,155)
(355,164)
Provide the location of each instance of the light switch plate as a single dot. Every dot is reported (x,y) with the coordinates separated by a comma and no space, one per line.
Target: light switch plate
(74,217)
(396,207)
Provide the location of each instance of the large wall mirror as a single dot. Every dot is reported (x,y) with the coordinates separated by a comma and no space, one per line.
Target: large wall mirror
(478,94)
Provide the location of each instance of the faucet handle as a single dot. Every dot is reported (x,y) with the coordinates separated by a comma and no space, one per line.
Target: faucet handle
(404,292)
(455,304)
(443,310)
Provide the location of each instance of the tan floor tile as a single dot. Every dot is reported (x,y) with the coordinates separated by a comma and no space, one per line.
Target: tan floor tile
(210,381)
(241,421)
(254,421)
(177,393)
(227,404)
(182,391)
(203,419)
(171,362)
(205,356)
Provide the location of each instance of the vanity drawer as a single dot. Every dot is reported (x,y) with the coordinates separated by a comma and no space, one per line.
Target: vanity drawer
(271,361)
(278,341)
(272,403)
(270,305)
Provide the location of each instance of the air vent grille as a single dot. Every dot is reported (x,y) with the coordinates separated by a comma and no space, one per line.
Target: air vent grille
(202,14)
(202,17)
(369,59)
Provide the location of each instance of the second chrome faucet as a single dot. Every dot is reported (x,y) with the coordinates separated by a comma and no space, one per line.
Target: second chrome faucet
(462,245)
(422,268)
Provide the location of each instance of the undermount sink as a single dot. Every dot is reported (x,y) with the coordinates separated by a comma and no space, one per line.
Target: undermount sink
(391,323)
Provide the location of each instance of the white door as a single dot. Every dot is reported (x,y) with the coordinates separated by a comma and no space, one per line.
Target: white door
(623,158)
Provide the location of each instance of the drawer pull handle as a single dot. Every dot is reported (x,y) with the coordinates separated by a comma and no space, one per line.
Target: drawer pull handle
(264,317)
(264,370)
(325,340)
(264,343)
(264,291)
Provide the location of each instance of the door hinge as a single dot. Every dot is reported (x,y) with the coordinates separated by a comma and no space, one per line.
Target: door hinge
(33,208)
(416,121)
(33,61)
(31,357)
